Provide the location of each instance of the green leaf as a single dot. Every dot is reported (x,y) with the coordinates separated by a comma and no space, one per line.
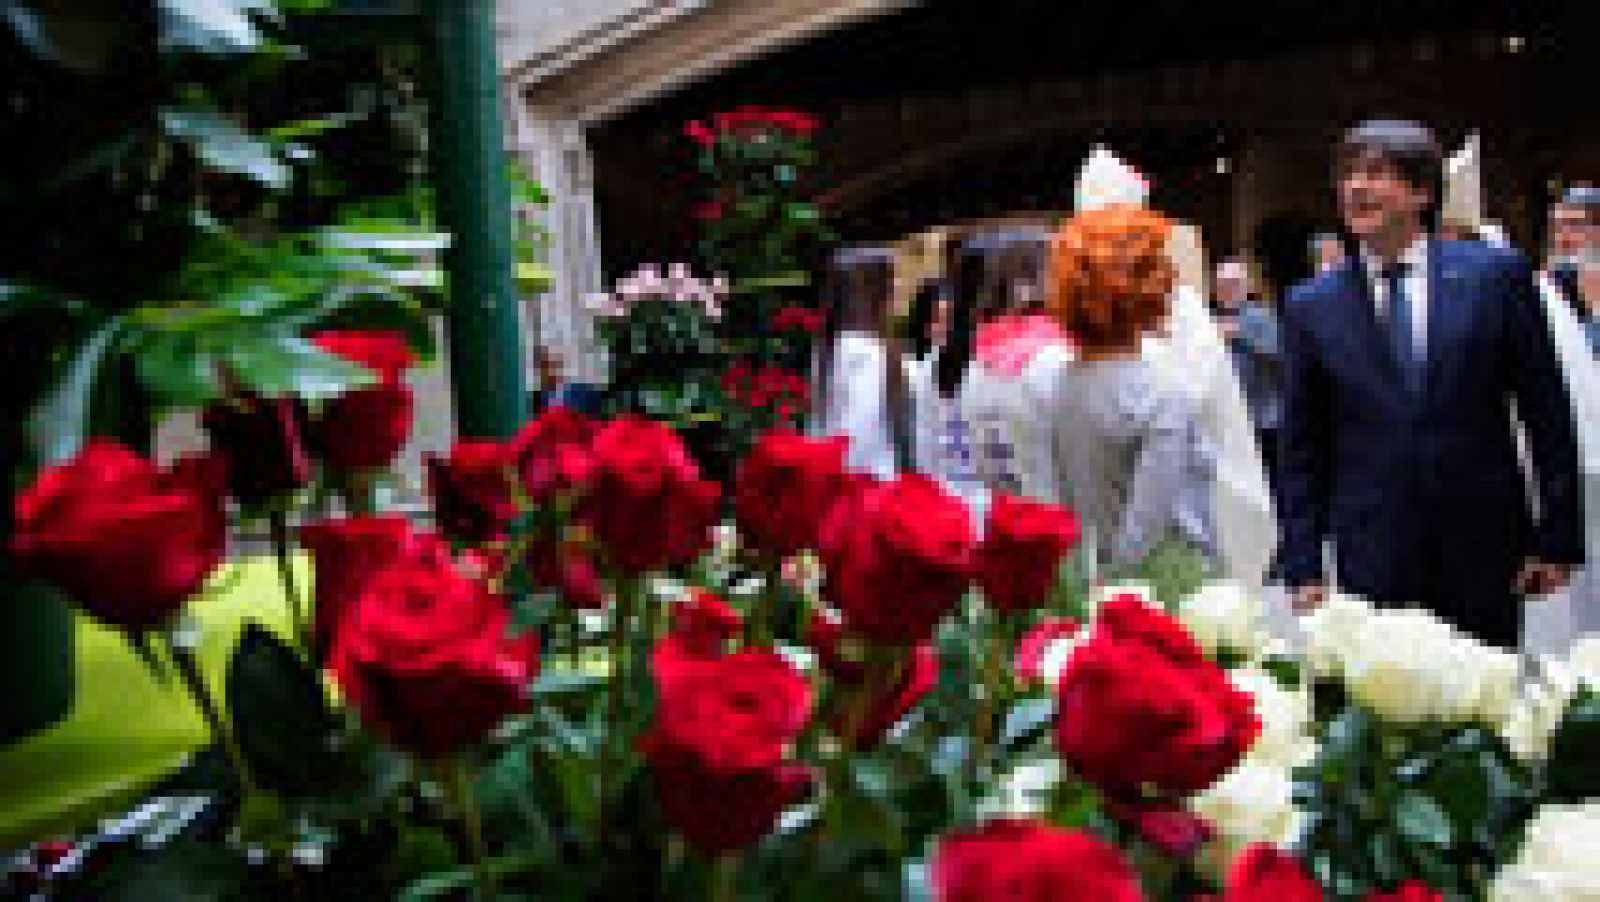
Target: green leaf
(224,146)
(1422,820)
(19,297)
(566,682)
(1026,721)
(275,363)
(211,26)
(182,872)
(284,725)
(1573,771)
(59,423)
(176,372)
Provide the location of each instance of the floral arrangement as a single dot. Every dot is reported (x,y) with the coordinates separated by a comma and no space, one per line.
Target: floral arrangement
(580,682)
(660,330)
(761,230)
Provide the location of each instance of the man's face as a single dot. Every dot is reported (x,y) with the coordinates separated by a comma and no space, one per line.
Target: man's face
(1376,200)
(1232,287)
(1572,230)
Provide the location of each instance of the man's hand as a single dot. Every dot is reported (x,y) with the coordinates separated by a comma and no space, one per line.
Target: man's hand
(1542,578)
(1308,598)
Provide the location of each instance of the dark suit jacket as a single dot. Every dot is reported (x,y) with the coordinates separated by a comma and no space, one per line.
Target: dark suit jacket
(1421,493)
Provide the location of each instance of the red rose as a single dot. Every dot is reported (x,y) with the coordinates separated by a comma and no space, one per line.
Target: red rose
(553,455)
(704,623)
(1021,551)
(472,490)
(1036,650)
(876,715)
(426,657)
(382,351)
(125,541)
(1409,891)
(1023,859)
(898,558)
(1265,874)
(568,569)
(1128,618)
(735,712)
(366,429)
(347,554)
(261,439)
(785,488)
(801,319)
(1132,719)
(648,505)
(721,811)
(699,133)
(1176,832)
(709,211)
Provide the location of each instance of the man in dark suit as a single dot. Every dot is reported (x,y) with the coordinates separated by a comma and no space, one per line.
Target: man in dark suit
(1403,369)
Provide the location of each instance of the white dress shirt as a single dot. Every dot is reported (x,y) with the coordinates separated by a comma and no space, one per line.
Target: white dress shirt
(1415,259)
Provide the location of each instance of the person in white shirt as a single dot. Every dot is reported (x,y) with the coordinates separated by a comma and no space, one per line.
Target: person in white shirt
(863,392)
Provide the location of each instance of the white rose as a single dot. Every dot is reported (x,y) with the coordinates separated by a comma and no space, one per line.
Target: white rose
(1223,616)
(1559,861)
(1331,632)
(1499,673)
(1397,665)
(1285,715)
(1410,667)
(1254,803)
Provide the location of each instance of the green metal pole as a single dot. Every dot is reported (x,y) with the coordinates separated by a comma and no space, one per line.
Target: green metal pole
(469,168)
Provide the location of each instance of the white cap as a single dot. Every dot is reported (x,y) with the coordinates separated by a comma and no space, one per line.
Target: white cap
(1105,181)
(1463,185)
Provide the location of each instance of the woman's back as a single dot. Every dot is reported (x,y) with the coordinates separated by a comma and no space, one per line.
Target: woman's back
(1129,459)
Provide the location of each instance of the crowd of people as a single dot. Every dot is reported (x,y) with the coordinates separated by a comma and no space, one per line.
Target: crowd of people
(1415,423)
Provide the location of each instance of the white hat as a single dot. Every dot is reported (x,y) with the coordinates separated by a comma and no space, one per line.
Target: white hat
(1105,181)
(1463,185)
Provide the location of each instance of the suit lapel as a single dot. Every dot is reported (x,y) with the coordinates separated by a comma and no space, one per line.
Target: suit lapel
(1446,304)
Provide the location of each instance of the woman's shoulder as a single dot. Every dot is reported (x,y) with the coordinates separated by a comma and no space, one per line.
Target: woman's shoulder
(1136,393)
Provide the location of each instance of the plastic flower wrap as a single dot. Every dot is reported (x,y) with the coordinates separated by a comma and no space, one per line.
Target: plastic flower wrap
(1559,861)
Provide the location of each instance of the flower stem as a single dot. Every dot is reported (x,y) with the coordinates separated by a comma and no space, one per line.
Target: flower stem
(189,671)
(611,744)
(725,877)
(994,656)
(466,802)
(278,524)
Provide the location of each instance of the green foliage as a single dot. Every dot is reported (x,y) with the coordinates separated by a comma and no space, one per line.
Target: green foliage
(164,219)
(1573,772)
(1386,803)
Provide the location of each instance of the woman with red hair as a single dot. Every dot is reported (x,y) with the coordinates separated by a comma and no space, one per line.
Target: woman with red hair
(1130,454)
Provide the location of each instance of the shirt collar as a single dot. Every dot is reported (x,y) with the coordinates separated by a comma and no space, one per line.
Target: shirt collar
(1415,258)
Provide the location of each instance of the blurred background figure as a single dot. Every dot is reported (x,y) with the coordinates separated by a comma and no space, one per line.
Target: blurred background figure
(1327,252)
(1250,325)
(1574,257)
(556,390)
(862,389)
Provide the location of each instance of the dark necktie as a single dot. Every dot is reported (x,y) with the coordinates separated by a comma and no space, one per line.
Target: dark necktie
(1401,338)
